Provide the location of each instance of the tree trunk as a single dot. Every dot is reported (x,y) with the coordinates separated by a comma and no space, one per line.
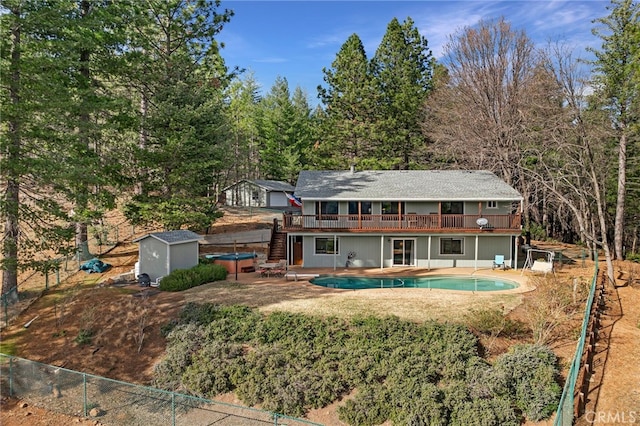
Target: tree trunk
(82,243)
(622,187)
(603,228)
(12,155)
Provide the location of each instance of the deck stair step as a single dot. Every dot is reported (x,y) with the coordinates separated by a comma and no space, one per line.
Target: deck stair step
(278,247)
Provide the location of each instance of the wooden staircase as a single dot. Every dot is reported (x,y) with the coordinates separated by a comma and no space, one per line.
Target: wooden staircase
(278,244)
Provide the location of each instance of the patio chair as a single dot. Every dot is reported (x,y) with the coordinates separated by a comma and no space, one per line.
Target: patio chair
(498,262)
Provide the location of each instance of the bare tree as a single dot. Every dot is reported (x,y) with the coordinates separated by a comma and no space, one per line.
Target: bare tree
(492,104)
(573,165)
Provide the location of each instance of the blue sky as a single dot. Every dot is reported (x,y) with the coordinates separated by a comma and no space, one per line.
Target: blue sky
(296,39)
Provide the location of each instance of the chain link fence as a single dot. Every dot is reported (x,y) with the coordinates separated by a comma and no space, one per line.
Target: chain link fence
(102,239)
(112,402)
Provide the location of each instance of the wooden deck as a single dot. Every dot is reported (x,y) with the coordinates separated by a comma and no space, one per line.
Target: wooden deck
(430,223)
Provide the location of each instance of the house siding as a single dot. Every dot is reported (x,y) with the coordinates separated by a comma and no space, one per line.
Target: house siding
(368,250)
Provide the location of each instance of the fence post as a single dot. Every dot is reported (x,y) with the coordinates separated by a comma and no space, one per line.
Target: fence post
(275,419)
(173,408)
(46,280)
(10,376)
(84,394)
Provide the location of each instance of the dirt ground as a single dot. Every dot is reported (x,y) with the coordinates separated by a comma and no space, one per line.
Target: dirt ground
(121,314)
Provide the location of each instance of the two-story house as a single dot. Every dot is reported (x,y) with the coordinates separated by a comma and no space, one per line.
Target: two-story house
(422,218)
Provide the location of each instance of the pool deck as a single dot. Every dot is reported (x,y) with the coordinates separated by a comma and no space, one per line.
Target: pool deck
(296,274)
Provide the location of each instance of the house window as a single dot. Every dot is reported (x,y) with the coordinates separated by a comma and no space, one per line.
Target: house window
(255,196)
(492,204)
(327,207)
(452,207)
(392,207)
(451,246)
(365,207)
(327,246)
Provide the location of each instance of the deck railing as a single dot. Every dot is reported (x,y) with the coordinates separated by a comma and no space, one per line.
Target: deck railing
(405,222)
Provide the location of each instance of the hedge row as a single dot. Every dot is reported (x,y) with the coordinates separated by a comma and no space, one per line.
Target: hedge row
(183,279)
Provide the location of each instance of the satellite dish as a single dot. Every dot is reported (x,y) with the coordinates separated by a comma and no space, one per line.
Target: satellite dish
(482,222)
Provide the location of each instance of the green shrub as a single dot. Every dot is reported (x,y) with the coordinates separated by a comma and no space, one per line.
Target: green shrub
(183,342)
(84,337)
(531,372)
(633,257)
(481,412)
(368,408)
(404,372)
(414,402)
(485,382)
(183,279)
(213,369)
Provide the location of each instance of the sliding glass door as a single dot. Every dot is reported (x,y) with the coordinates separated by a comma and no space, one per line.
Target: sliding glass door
(403,252)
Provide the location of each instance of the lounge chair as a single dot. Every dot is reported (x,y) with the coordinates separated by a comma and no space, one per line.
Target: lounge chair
(498,262)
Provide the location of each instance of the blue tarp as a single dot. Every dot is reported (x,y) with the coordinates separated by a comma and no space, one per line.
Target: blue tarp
(94,265)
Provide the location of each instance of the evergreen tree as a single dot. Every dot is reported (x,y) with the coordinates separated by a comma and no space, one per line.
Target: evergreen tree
(617,84)
(403,67)
(283,132)
(346,129)
(181,80)
(57,62)
(243,99)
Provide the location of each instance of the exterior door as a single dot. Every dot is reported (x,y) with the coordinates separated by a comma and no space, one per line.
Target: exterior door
(297,250)
(403,252)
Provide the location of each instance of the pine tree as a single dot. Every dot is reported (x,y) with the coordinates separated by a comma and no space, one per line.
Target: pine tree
(181,81)
(346,129)
(242,113)
(57,60)
(403,67)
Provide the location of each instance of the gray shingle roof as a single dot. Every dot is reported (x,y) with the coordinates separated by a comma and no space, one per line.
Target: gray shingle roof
(269,185)
(173,237)
(401,185)
(273,185)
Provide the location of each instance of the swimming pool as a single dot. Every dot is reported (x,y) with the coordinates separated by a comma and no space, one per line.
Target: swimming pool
(444,282)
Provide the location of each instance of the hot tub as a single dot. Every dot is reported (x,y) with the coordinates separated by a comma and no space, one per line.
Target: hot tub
(246,262)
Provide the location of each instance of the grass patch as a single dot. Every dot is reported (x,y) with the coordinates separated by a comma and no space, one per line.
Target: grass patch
(9,345)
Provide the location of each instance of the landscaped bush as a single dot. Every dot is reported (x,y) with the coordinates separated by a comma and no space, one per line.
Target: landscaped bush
(482,412)
(402,372)
(183,279)
(531,372)
(368,408)
(214,368)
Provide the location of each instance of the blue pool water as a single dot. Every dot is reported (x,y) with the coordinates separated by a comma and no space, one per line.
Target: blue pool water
(446,282)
